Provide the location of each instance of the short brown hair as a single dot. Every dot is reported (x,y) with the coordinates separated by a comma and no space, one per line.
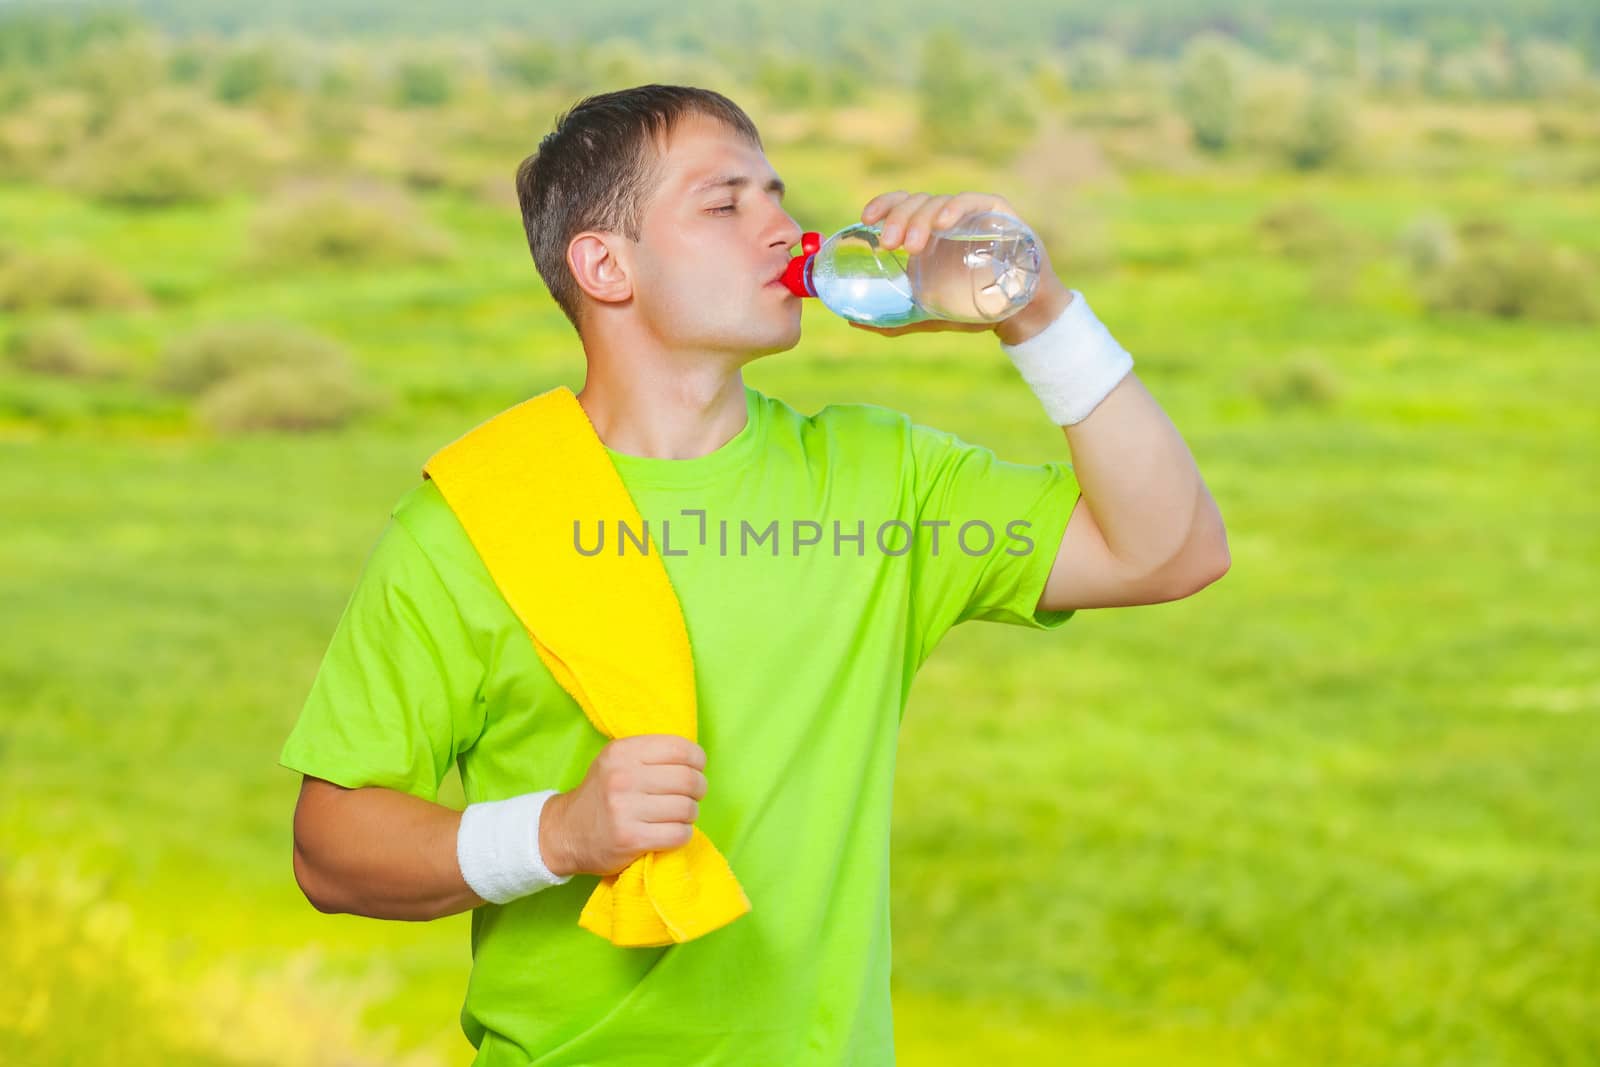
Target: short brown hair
(597,169)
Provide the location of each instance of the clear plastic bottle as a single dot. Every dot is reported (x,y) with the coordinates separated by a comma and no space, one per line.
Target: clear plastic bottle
(982,268)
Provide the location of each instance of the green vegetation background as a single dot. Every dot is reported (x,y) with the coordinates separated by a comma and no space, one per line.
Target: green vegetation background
(1337,809)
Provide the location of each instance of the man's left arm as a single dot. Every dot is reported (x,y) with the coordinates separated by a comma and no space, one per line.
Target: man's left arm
(1145,529)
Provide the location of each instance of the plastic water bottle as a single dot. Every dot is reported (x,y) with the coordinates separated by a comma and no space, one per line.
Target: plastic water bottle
(983,268)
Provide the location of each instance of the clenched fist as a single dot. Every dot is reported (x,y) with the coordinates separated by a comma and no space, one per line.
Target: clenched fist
(641,794)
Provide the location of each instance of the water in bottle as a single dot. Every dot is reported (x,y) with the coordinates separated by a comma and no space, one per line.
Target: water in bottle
(984,268)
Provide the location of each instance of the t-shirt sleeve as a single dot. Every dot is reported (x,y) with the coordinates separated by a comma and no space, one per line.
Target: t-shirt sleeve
(396,698)
(987,534)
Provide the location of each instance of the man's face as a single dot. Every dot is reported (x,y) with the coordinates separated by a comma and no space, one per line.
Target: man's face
(714,236)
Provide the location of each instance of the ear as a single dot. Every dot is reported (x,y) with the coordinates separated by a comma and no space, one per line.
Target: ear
(597,267)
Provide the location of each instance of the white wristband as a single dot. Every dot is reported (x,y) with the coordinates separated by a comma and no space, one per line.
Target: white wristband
(497,847)
(1072,364)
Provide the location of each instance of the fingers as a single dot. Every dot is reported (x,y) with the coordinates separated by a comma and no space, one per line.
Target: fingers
(920,227)
(910,219)
(879,205)
(899,216)
(665,780)
(924,326)
(672,748)
(963,204)
(669,809)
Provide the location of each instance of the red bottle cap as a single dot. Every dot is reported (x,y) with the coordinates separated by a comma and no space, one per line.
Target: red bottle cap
(794,275)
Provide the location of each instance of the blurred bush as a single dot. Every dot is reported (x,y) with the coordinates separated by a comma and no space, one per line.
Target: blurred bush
(1301,229)
(69,940)
(266,376)
(1482,267)
(286,398)
(76,952)
(349,223)
(1428,243)
(63,278)
(203,357)
(1301,381)
(59,348)
(1557,129)
(173,147)
(1513,277)
(40,133)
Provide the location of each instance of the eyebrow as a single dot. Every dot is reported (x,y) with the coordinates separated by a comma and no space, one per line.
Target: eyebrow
(738,181)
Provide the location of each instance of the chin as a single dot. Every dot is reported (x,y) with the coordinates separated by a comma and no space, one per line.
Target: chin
(764,335)
(780,341)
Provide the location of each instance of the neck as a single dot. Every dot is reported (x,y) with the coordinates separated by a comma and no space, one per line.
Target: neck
(677,415)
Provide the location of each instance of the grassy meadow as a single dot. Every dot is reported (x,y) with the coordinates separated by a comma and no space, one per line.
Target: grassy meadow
(1339,808)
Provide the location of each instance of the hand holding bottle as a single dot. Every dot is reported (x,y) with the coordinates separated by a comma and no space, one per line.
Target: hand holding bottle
(973,265)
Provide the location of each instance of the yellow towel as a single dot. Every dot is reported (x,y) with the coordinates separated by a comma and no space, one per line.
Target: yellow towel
(608,626)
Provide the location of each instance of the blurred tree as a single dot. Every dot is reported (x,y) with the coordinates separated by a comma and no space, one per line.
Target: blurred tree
(1403,67)
(1095,65)
(189,61)
(1320,56)
(42,131)
(1210,89)
(1548,69)
(528,61)
(347,75)
(947,94)
(117,69)
(611,64)
(1484,70)
(868,61)
(967,111)
(1326,126)
(15,90)
(37,39)
(1046,80)
(789,82)
(423,81)
(176,146)
(248,73)
(845,83)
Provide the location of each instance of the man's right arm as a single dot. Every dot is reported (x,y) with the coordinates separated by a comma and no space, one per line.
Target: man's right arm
(388,854)
(385,854)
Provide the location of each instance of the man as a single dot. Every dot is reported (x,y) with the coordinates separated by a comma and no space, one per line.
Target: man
(658,225)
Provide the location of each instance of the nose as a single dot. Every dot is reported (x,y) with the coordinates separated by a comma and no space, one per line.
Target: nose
(788,231)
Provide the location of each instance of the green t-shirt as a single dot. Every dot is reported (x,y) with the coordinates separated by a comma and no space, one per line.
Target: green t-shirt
(805,649)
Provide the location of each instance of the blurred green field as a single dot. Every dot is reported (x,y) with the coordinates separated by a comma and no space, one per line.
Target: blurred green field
(1337,809)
